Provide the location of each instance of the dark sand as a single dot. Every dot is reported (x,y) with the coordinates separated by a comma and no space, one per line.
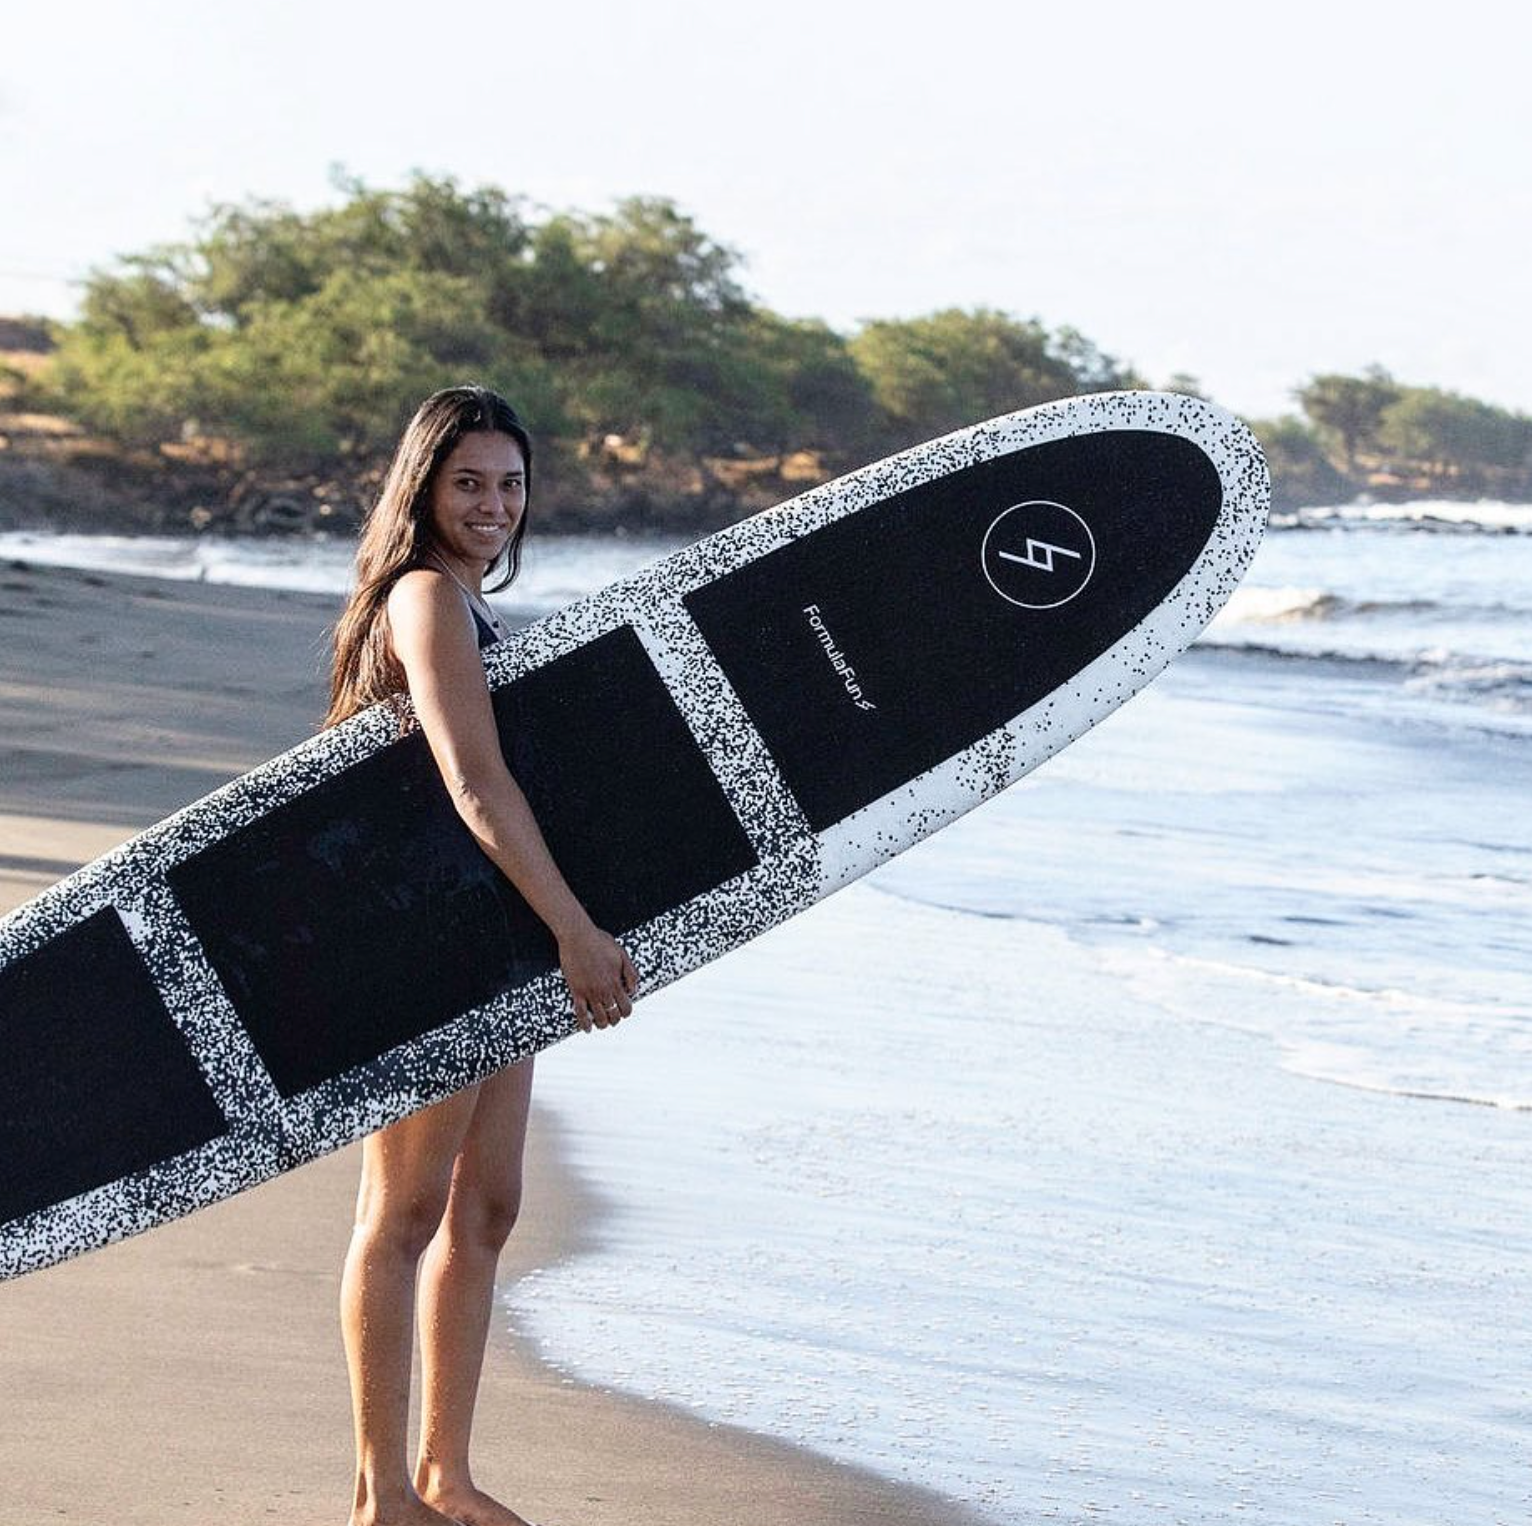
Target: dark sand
(195,1374)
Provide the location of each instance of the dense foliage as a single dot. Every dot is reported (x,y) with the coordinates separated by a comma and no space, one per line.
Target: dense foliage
(1370,432)
(626,338)
(930,375)
(293,345)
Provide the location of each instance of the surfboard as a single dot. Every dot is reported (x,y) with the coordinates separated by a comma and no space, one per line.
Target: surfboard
(710,745)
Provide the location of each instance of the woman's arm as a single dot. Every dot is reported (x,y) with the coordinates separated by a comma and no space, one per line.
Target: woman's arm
(433,638)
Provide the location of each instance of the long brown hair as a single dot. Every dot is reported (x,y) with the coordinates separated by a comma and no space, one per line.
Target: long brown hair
(397,537)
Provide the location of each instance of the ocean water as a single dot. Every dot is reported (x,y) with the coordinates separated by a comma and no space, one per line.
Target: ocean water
(556,570)
(1436,592)
(1153,1144)
(1109,1156)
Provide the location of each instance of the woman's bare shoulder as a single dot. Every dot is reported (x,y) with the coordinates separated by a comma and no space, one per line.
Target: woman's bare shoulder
(421,593)
(419,583)
(427,614)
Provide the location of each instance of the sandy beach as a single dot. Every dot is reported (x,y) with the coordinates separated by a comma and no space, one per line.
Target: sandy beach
(195,1374)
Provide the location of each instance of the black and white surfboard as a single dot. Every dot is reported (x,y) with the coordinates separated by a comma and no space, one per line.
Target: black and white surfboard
(711,745)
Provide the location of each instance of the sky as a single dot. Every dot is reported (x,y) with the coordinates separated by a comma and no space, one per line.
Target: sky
(1249,195)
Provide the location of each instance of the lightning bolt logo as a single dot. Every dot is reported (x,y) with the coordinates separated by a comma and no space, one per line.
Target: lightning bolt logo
(1040,554)
(1054,561)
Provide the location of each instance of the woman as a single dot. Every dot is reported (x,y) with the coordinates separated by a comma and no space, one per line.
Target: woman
(440,1189)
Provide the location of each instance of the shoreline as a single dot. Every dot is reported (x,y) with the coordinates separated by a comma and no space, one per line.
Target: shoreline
(139,1374)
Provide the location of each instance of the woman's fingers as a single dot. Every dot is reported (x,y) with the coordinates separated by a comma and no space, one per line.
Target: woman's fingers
(610,1009)
(602,988)
(596,1012)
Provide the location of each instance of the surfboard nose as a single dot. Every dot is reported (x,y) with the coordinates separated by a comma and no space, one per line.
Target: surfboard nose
(872,650)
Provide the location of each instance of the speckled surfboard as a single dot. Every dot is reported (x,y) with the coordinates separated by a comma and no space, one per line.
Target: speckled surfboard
(710,745)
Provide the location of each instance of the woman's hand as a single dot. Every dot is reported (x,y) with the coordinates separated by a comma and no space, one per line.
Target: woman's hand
(601,978)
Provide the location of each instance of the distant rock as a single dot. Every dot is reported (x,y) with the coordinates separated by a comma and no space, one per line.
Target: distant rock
(24,336)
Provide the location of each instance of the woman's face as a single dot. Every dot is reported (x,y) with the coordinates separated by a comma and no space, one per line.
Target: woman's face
(477,498)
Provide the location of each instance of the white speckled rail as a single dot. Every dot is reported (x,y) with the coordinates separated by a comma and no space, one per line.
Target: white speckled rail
(814,690)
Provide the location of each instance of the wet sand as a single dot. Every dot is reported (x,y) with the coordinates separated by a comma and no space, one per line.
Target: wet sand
(195,1374)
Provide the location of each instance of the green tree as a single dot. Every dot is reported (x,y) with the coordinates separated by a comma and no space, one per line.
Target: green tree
(1348,410)
(650,326)
(1092,369)
(305,337)
(1301,473)
(810,394)
(1453,437)
(130,363)
(264,251)
(335,374)
(954,367)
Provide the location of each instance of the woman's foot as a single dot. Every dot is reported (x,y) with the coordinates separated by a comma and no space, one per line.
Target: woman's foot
(408,1511)
(469,1505)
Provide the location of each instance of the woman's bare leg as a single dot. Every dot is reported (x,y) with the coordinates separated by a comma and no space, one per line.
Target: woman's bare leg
(457,1287)
(406,1180)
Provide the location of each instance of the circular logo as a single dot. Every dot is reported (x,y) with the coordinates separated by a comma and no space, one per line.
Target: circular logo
(1038,554)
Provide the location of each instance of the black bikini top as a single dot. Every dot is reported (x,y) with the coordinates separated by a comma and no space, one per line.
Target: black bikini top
(487,636)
